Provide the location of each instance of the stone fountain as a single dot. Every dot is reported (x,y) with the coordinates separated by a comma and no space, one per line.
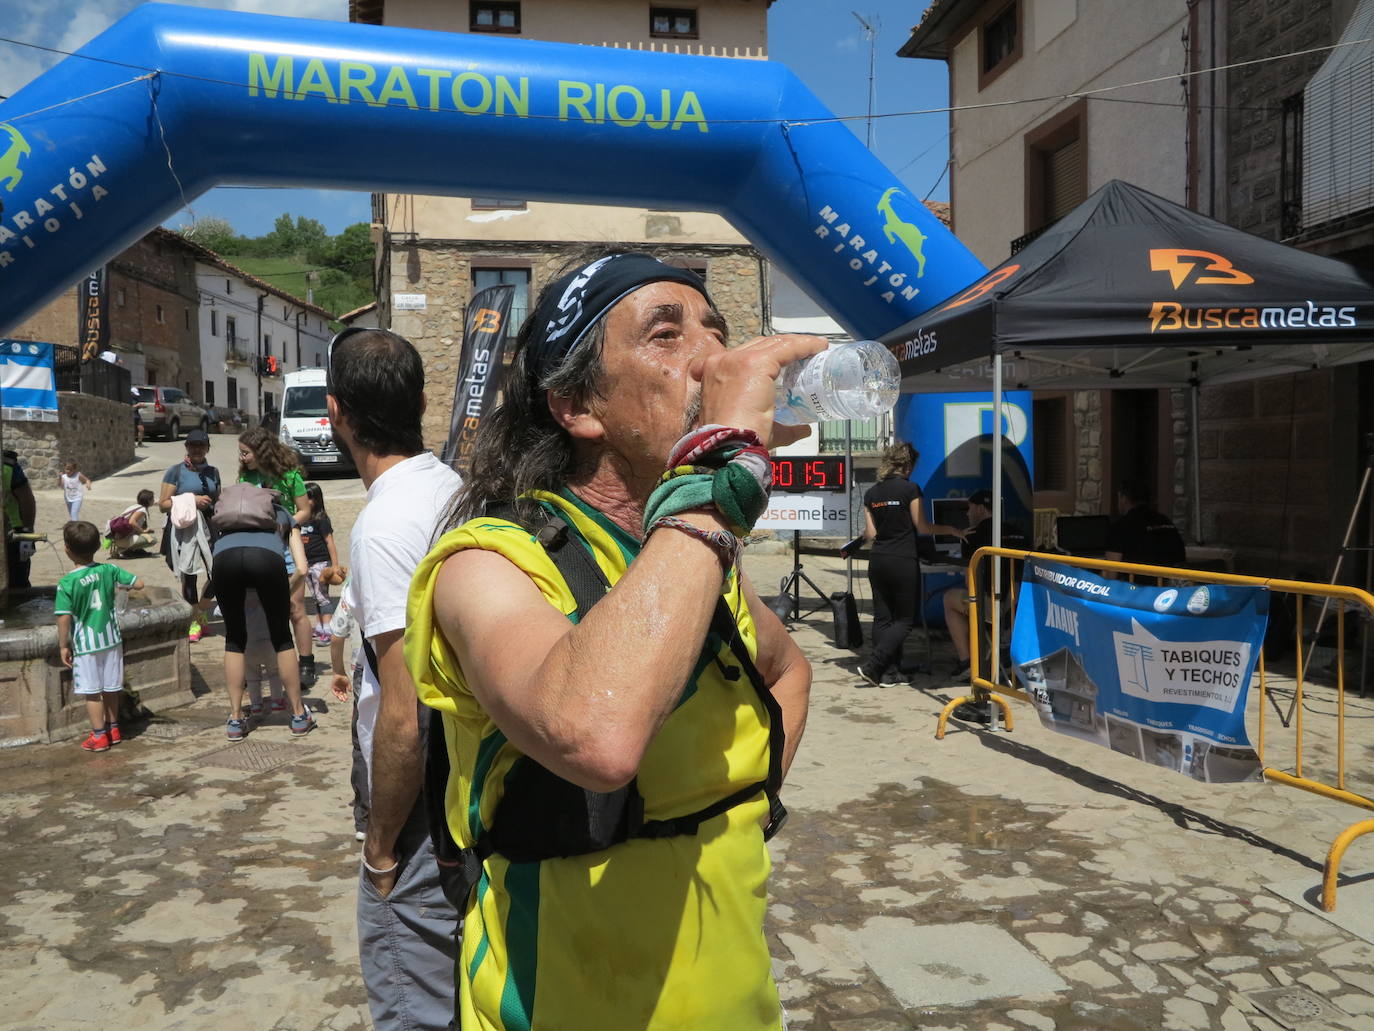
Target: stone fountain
(36,700)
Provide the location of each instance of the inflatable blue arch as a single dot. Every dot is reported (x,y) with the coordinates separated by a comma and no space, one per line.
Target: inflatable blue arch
(171,101)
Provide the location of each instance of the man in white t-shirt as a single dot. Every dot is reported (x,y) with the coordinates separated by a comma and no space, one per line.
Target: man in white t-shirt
(407,929)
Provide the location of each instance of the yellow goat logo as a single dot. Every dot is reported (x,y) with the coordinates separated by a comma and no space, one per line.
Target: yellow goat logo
(895,229)
(9,163)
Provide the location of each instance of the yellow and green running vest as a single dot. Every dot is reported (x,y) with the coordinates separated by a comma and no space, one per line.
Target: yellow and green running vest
(650,933)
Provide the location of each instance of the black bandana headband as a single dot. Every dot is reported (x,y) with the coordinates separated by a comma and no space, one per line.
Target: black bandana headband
(571,305)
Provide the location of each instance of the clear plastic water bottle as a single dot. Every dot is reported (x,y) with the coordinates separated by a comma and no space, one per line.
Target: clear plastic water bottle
(856,379)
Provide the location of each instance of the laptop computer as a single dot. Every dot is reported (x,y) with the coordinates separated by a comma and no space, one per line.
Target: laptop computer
(1083,535)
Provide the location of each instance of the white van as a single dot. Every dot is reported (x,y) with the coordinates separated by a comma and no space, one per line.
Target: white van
(305,424)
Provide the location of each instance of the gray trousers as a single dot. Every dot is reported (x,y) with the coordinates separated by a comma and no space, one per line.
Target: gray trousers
(408,944)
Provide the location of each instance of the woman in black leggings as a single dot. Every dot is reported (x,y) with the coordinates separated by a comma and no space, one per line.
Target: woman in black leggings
(893,516)
(252,560)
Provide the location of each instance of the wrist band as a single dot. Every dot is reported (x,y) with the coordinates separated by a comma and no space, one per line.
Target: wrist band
(716,466)
(373,870)
(706,439)
(727,544)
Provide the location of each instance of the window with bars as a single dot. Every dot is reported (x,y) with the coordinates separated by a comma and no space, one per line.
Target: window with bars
(1334,130)
(1056,167)
(1063,179)
(1290,167)
(494,17)
(520,302)
(673,23)
(1051,426)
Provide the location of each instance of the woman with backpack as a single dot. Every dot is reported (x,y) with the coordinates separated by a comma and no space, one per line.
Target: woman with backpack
(189,490)
(266,462)
(253,534)
(128,532)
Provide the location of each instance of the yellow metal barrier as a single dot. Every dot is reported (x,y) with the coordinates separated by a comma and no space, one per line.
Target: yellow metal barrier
(991,691)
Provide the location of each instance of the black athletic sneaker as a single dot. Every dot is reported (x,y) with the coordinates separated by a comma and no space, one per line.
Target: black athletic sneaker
(872,678)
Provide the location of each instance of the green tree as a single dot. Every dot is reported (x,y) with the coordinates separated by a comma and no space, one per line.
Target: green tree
(336,270)
(352,251)
(211,232)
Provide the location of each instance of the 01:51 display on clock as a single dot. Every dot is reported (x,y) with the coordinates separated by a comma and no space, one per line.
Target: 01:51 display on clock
(810,473)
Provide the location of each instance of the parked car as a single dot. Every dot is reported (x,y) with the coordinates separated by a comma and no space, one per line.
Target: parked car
(168,412)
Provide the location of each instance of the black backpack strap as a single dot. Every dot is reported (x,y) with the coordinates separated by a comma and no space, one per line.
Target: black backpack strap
(723,625)
(543,816)
(460,868)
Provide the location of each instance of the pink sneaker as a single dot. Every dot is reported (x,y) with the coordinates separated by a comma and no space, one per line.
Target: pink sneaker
(196,631)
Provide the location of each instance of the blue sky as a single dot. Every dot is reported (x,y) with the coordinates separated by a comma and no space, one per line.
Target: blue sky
(819,40)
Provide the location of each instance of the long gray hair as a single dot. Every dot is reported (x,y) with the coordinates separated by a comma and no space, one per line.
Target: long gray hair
(520,447)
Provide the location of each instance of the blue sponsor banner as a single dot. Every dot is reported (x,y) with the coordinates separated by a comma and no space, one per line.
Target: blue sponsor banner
(1158,673)
(954,434)
(28,387)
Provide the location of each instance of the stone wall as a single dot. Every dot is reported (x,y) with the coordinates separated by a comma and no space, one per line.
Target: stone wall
(97,434)
(1267,490)
(1254,146)
(442,271)
(1087,419)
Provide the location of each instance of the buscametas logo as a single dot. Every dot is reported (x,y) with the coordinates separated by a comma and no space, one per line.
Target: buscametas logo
(1189,268)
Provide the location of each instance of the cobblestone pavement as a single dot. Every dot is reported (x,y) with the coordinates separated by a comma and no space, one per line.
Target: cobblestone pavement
(991,880)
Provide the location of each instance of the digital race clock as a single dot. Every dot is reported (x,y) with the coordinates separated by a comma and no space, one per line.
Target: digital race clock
(810,473)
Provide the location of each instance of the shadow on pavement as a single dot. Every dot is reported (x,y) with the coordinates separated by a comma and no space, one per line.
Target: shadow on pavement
(1183,817)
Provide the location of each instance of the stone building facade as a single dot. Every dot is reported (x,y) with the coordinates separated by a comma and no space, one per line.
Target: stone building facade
(1281,458)
(448,248)
(1025,151)
(152,310)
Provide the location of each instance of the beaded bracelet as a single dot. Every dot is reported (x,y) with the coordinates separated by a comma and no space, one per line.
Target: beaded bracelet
(727,544)
(373,870)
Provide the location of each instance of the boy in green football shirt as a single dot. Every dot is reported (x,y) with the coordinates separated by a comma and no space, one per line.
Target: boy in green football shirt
(88,631)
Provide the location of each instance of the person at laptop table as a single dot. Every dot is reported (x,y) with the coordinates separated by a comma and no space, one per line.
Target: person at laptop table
(1143,535)
(893,516)
(978,535)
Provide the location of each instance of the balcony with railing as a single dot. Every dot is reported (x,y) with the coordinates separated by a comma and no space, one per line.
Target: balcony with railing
(865,435)
(238,352)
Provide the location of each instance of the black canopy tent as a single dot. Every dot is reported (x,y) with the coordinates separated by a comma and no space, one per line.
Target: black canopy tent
(1130,290)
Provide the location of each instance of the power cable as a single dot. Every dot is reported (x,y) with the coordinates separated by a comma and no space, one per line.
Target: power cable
(1072,95)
